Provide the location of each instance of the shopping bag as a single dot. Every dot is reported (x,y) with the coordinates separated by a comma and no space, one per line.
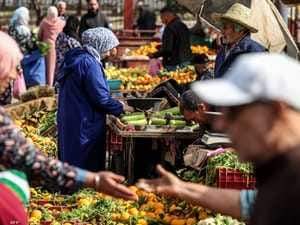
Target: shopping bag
(34,69)
(19,86)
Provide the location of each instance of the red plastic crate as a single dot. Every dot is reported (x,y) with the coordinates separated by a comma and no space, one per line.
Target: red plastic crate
(234,179)
(115,142)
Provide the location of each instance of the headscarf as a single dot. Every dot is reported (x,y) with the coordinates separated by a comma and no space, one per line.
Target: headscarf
(20,17)
(10,55)
(98,41)
(52,12)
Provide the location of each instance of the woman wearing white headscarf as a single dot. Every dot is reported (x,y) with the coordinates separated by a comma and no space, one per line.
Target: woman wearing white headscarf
(19,28)
(50,27)
(85,100)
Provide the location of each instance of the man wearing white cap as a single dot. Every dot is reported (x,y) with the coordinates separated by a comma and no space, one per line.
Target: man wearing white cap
(236,26)
(260,99)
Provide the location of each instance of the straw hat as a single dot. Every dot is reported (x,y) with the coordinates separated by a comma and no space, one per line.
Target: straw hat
(239,14)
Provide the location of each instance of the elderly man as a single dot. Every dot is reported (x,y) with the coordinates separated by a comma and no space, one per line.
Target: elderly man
(62,8)
(94,17)
(236,29)
(261,106)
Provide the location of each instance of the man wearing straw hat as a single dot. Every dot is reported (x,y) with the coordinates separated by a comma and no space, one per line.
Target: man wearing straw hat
(236,26)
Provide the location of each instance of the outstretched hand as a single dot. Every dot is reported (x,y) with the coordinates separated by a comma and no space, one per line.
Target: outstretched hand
(110,184)
(167,183)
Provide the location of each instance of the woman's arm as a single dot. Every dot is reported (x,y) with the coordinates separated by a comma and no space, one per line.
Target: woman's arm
(16,152)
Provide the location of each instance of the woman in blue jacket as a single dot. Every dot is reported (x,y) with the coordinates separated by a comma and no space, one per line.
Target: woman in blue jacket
(85,100)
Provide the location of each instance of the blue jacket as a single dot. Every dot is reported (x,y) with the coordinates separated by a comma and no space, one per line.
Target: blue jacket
(246,45)
(84,101)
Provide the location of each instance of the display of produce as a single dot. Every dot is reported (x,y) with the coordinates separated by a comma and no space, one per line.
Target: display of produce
(228,159)
(182,75)
(133,79)
(37,123)
(144,50)
(152,47)
(90,207)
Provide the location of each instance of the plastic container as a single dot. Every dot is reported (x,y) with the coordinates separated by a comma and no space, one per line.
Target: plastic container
(114,84)
(234,179)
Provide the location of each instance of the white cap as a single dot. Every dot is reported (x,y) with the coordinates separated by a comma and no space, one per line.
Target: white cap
(254,77)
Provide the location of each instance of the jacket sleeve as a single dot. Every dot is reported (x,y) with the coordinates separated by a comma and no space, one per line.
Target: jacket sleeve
(82,26)
(167,44)
(96,87)
(16,152)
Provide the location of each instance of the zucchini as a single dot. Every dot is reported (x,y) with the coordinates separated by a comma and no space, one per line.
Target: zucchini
(177,123)
(132,118)
(137,122)
(158,121)
(173,111)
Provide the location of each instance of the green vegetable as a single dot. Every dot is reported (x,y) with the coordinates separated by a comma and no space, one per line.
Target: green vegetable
(141,122)
(173,111)
(158,121)
(177,123)
(133,118)
(226,160)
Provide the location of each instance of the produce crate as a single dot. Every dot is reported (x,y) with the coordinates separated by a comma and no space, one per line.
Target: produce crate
(114,142)
(234,179)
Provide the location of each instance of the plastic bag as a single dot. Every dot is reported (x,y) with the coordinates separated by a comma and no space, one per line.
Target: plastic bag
(19,86)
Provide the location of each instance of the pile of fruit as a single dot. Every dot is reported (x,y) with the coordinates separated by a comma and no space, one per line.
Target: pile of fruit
(89,207)
(144,50)
(133,79)
(34,125)
(182,75)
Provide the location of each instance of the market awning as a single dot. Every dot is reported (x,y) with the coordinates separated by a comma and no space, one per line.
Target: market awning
(273,31)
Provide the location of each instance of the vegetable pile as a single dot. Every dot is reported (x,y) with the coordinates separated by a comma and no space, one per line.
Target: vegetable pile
(89,207)
(228,160)
(35,124)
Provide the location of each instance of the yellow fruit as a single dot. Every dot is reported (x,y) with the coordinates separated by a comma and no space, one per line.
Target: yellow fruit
(203,215)
(142,222)
(151,215)
(191,221)
(67,224)
(167,219)
(125,216)
(142,213)
(159,211)
(84,202)
(133,211)
(36,214)
(115,216)
(178,222)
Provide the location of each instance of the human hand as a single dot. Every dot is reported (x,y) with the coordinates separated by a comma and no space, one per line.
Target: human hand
(167,184)
(110,183)
(126,107)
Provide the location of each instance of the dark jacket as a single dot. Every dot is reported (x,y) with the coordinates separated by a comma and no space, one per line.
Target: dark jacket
(176,46)
(278,198)
(91,20)
(84,101)
(223,63)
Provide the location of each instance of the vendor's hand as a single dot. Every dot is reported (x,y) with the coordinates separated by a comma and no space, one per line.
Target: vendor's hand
(110,183)
(167,184)
(126,107)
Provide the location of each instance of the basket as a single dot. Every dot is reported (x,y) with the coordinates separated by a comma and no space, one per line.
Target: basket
(234,179)
(114,84)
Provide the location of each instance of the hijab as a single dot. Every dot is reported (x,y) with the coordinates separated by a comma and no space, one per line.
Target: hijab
(98,41)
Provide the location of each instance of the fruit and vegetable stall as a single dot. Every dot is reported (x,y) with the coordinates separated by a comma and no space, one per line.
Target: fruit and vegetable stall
(156,127)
